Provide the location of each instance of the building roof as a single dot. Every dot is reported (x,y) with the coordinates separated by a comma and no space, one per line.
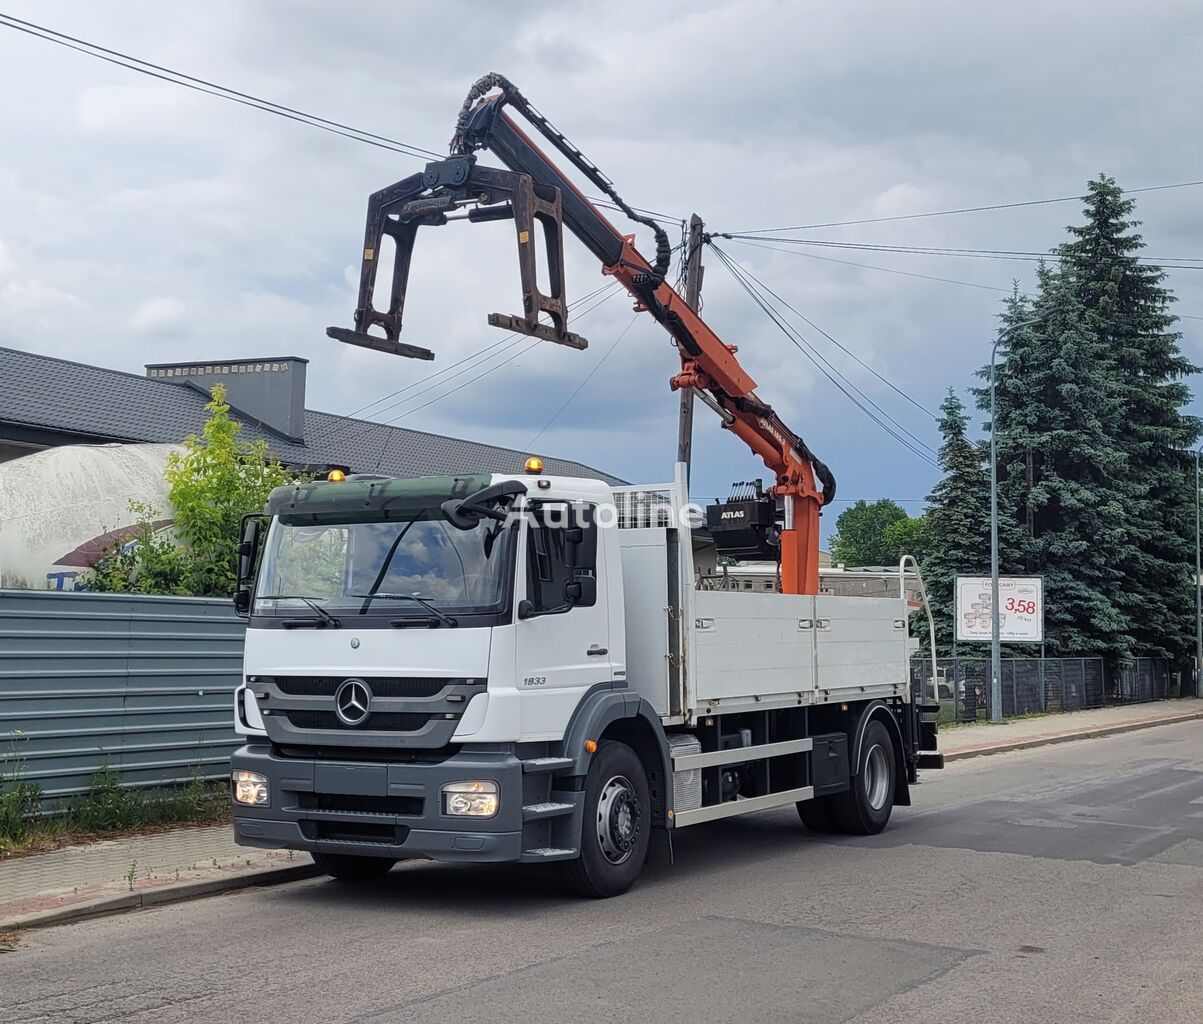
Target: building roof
(48,400)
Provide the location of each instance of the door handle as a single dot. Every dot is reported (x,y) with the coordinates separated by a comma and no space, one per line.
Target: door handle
(597,651)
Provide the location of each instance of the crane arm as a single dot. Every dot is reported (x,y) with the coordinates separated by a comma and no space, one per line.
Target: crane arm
(534,188)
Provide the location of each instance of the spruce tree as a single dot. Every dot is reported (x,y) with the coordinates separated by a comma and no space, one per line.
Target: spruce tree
(1126,310)
(958,515)
(1064,481)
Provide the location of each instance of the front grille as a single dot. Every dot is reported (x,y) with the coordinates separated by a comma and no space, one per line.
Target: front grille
(372,755)
(348,804)
(391,721)
(355,832)
(381,686)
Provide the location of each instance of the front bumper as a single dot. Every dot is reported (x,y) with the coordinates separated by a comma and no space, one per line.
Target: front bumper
(380,809)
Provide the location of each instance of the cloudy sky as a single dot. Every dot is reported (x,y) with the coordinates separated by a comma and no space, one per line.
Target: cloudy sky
(140,222)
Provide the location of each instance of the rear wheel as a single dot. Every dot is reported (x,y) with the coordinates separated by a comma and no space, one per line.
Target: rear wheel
(816,814)
(616,825)
(353,869)
(864,809)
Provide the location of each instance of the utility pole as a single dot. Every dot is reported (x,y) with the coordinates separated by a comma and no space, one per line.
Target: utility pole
(693,290)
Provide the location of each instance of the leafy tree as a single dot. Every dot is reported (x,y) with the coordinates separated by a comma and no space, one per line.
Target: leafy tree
(1126,310)
(212,484)
(910,536)
(860,533)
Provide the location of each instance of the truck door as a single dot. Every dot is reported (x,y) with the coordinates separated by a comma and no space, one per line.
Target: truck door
(563,630)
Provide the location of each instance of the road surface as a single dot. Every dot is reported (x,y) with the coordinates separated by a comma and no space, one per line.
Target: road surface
(1060,884)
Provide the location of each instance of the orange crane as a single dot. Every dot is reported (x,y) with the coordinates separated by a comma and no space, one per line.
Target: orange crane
(535,189)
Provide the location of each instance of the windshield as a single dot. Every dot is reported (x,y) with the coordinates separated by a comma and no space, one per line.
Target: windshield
(398,568)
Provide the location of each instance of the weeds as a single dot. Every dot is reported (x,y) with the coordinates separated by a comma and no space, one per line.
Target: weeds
(19,798)
(106,807)
(131,874)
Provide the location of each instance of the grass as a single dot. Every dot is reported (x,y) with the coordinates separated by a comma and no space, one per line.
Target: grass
(106,809)
(947,718)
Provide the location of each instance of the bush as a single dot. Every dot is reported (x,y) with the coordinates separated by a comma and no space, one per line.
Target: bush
(212,484)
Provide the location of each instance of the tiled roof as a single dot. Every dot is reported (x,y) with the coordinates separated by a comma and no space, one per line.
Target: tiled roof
(43,392)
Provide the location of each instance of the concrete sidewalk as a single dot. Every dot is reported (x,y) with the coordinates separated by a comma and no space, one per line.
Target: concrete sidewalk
(135,871)
(141,871)
(963,741)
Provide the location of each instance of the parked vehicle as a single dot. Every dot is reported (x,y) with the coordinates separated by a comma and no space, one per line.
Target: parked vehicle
(520,669)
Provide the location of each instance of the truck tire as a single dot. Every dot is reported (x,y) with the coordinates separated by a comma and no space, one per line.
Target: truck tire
(616,825)
(865,808)
(353,869)
(816,814)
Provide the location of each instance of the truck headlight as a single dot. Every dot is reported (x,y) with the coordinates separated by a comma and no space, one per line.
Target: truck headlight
(250,788)
(471,799)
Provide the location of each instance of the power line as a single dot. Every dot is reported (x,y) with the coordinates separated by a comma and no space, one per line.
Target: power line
(505,362)
(438,373)
(506,344)
(964,209)
(848,352)
(870,408)
(211,88)
(869,266)
(581,386)
(1028,256)
(894,270)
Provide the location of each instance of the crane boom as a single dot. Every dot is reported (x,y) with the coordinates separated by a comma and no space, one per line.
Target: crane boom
(534,188)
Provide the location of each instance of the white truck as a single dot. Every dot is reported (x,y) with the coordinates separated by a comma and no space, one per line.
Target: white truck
(494,668)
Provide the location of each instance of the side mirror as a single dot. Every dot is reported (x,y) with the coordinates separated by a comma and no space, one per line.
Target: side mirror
(582,590)
(248,548)
(242,600)
(526,608)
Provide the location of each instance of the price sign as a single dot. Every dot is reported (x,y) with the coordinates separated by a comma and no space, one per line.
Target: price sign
(1021,608)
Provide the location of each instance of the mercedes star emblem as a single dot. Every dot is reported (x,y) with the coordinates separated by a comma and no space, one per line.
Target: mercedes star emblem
(352,702)
(354,643)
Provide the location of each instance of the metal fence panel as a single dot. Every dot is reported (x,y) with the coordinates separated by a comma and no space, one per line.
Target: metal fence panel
(144,684)
(1041,684)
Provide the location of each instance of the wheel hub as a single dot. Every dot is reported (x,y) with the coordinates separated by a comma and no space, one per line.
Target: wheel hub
(877,777)
(618,821)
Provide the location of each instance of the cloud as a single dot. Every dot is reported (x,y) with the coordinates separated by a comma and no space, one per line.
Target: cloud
(158,316)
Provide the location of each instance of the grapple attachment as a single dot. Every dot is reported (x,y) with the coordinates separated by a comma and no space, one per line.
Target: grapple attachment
(459,189)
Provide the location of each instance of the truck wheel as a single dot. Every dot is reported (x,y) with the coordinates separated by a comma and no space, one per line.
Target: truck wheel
(816,814)
(865,808)
(353,869)
(616,825)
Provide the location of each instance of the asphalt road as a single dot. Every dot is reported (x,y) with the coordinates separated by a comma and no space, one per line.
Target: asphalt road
(1061,884)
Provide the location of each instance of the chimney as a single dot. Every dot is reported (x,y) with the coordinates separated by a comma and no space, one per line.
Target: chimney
(270,390)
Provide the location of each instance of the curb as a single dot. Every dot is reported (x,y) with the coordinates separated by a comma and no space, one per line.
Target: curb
(1069,737)
(159,897)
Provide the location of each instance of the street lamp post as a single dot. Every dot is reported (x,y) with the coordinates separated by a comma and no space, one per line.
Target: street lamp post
(1198,589)
(995,643)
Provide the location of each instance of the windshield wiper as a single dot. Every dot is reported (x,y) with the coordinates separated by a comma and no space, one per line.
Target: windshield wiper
(326,618)
(425,602)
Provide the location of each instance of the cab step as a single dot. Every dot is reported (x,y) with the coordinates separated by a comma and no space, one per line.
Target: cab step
(548,809)
(537,765)
(548,853)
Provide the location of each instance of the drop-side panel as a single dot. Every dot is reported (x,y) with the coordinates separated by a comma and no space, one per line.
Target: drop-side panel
(752,644)
(645,591)
(860,641)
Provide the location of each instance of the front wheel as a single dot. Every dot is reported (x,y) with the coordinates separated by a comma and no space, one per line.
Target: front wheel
(864,809)
(353,869)
(616,825)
